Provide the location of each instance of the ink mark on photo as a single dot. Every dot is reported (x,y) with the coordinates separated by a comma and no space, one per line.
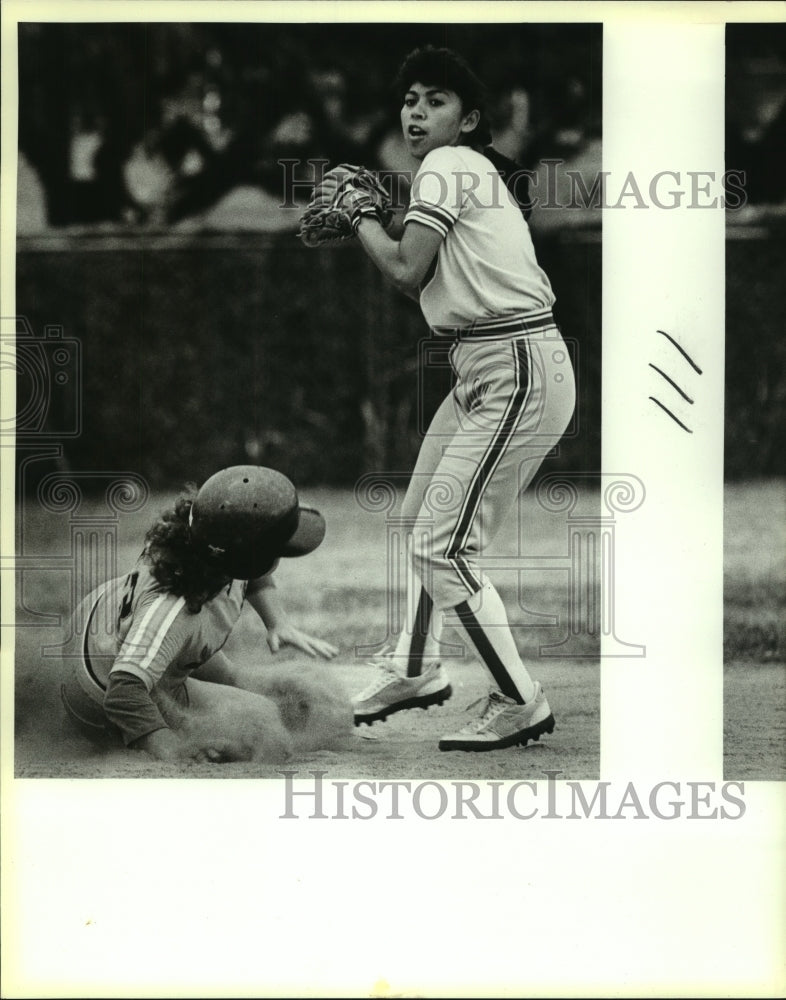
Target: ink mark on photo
(674,384)
(671,382)
(667,410)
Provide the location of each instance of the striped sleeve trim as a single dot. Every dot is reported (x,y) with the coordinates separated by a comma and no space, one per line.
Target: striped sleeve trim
(145,641)
(431,215)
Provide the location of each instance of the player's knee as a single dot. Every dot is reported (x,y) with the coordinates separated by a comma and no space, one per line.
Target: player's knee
(428,564)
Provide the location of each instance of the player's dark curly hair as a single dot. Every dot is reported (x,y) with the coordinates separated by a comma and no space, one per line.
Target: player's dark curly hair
(441,67)
(174,563)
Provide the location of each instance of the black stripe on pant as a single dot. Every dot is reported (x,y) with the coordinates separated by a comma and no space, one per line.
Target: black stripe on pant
(517,405)
(420,629)
(487,653)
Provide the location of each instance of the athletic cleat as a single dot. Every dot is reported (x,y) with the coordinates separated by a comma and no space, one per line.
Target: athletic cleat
(503,723)
(391,692)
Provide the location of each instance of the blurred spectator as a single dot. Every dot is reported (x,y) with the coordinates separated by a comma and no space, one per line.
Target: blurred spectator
(510,124)
(31,215)
(575,142)
(188,124)
(149,180)
(343,132)
(758,147)
(392,155)
(756,120)
(246,207)
(85,143)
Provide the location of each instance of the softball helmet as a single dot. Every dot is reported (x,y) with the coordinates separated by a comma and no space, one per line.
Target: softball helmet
(246,517)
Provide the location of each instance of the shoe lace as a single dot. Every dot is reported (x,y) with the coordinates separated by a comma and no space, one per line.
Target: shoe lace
(384,664)
(491,709)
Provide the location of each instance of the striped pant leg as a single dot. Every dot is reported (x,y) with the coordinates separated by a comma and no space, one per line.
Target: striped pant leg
(514,400)
(419,641)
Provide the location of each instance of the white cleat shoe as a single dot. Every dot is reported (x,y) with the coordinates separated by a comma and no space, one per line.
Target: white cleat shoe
(503,723)
(391,692)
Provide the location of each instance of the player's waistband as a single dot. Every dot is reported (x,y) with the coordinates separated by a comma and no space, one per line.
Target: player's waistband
(500,327)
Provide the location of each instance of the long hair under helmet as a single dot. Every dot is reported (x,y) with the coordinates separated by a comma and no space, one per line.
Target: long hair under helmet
(236,526)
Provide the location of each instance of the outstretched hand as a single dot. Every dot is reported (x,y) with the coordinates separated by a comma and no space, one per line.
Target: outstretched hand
(288,635)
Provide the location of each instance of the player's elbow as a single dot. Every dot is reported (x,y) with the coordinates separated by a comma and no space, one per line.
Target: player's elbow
(407,275)
(411,291)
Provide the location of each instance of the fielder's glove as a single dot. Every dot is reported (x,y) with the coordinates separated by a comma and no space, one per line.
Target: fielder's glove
(345,195)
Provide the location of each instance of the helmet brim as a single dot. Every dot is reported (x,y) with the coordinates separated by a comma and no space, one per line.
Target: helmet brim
(308,535)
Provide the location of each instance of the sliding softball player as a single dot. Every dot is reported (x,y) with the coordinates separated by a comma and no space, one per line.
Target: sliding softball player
(152,671)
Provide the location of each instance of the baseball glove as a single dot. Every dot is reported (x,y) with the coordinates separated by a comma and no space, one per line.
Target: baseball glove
(343,196)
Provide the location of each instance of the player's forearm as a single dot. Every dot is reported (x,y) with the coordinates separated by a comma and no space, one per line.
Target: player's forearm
(128,705)
(268,606)
(387,255)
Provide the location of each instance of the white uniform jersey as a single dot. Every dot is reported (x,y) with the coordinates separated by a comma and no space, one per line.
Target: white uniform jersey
(486,266)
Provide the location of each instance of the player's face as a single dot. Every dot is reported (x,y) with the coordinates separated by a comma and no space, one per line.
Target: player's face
(432,117)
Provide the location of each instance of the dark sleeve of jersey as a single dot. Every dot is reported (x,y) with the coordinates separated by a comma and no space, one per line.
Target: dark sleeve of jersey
(129,706)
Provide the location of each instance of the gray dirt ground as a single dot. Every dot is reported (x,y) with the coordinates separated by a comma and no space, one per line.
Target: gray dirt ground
(754,730)
(403,747)
(406,745)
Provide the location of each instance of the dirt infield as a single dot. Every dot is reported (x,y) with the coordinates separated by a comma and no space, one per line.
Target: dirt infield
(754,724)
(406,745)
(403,747)
(340,593)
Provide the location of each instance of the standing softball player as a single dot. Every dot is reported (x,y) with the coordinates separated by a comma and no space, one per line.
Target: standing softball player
(466,253)
(152,670)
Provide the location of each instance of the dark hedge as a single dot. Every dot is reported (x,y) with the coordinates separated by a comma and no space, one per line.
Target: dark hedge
(213,351)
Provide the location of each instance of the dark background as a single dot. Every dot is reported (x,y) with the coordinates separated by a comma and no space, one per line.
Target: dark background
(208,334)
(151,234)
(755,443)
(220,104)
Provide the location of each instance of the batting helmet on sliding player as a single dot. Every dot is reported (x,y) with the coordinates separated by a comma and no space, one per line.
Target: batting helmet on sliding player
(246,517)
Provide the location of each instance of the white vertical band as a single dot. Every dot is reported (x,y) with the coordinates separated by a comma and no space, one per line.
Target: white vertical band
(663,270)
